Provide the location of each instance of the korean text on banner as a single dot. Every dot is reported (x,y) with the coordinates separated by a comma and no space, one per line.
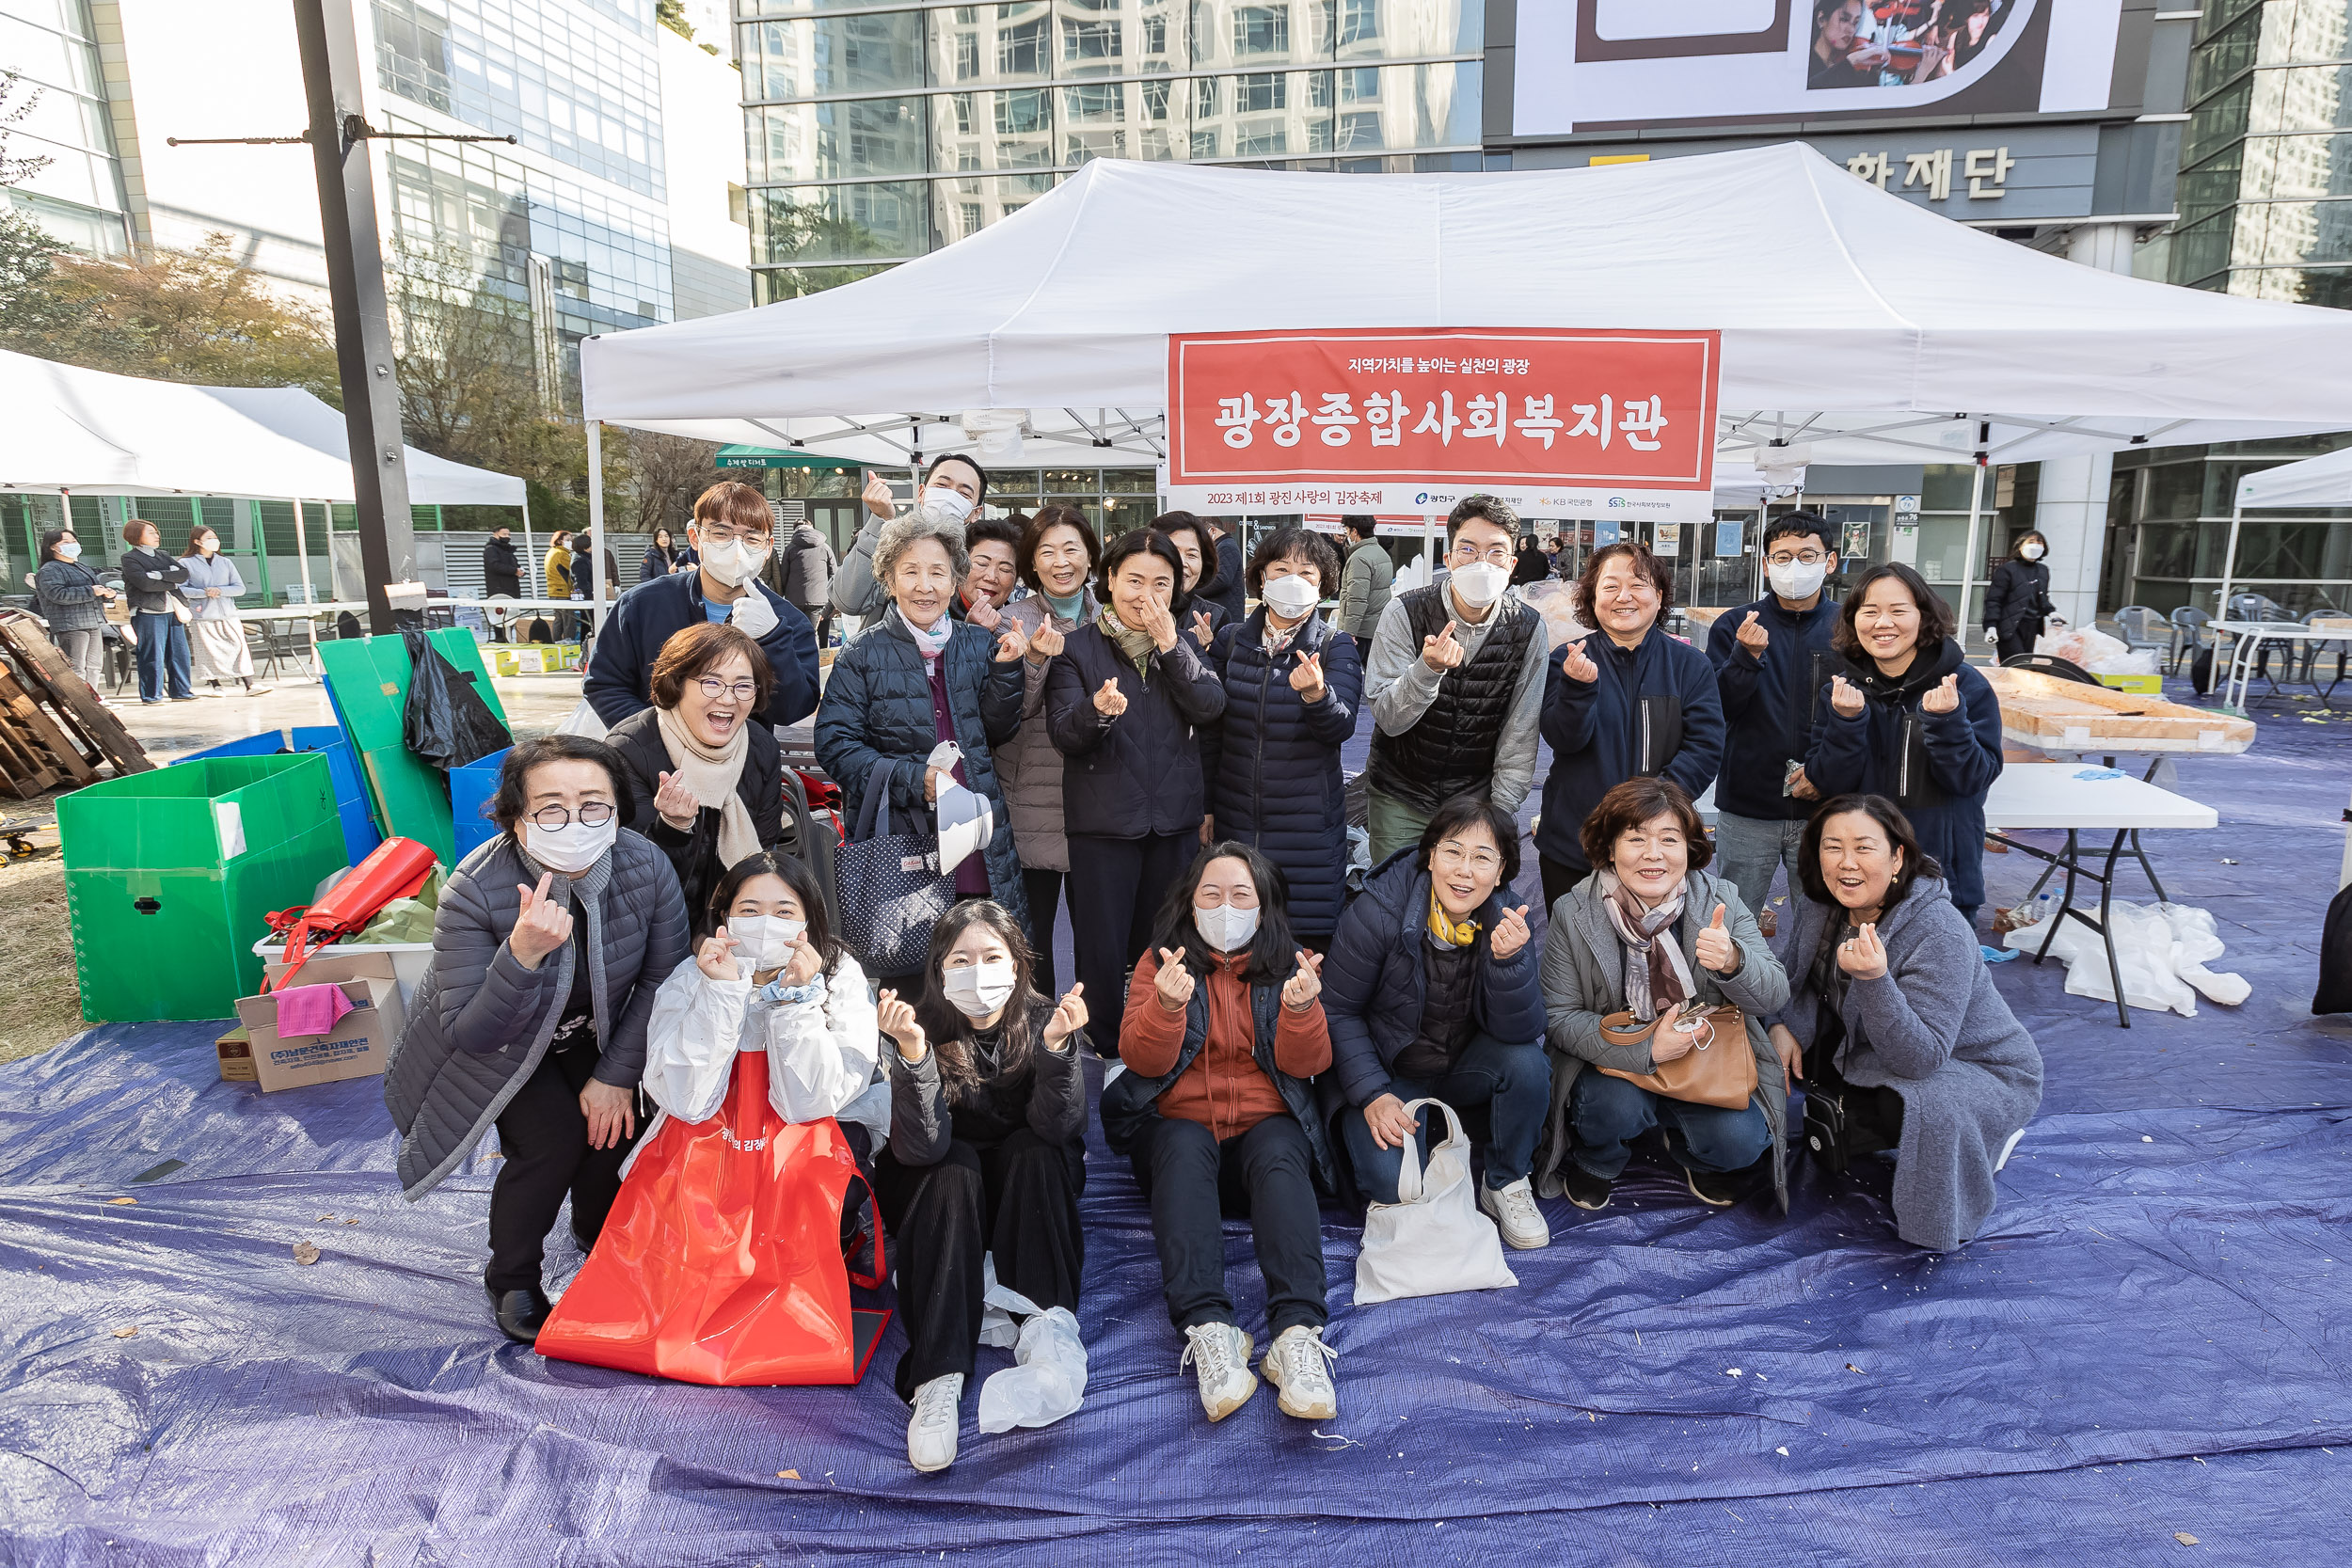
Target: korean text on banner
(1560,423)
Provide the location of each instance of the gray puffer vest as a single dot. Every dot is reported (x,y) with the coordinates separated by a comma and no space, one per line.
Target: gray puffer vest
(480,1023)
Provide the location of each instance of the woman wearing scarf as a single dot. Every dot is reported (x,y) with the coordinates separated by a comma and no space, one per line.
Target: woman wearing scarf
(1124,702)
(917,678)
(709,780)
(1056,560)
(1653,935)
(1200,616)
(547,948)
(1293,686)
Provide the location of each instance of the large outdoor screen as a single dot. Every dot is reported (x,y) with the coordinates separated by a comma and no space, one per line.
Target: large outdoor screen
(1627,65)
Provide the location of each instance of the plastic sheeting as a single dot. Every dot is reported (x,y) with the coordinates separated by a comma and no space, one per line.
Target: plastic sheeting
(2151,1337)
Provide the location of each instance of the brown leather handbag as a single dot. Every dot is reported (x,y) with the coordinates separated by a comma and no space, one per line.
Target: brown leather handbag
(1719,1070)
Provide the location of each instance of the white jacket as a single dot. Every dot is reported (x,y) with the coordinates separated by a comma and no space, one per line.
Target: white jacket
(822,1054)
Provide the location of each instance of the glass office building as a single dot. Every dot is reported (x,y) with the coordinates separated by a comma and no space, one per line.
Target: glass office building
(877,133)
(60,95)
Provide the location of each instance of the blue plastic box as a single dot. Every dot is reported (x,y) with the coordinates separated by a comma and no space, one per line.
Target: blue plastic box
(470,790)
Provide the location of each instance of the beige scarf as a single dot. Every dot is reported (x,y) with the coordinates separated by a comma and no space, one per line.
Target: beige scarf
(711,777)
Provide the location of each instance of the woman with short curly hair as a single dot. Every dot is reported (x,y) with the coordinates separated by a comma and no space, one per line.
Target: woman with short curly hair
(916,678)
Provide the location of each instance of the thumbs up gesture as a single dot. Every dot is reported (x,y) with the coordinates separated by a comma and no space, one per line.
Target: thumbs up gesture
(1716,949)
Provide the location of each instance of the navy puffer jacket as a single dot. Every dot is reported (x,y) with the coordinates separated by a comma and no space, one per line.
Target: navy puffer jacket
(878,708)
(1374,979)
(1273,761)
(1140,773)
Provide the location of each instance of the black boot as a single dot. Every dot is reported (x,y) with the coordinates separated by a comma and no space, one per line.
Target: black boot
(520,1313)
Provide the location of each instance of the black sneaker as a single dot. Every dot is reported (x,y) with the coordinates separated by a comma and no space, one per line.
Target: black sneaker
(1716,1189)
(520,1314)
(1585,1190)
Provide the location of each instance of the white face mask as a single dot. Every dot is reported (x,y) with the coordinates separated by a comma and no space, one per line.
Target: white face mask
(1479,584)
(1292,595)
(2031,552)
(731,562)
(976,990)
(765,940)
(1226,928)
(952,504)
(573,848)
(1797,580)
(69,550)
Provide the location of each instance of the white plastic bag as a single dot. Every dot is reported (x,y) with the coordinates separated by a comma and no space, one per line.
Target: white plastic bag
(1047,1380)
(1434,1241)
(583,720)
(2095,652)
(998,1305)
(2161,949)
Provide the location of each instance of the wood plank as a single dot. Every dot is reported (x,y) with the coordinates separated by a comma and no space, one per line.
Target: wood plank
(27,715)
(78,711)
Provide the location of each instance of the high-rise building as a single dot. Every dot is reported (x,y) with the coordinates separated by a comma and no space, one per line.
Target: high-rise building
(878,135)
(53,49)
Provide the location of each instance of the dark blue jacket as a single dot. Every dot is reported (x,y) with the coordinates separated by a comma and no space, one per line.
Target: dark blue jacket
(1229,585)
(1595,727)
(1374,978)
(1957,757)
(877,707)
(1273,761)
(1767,703)
(1140,773)
(620,671)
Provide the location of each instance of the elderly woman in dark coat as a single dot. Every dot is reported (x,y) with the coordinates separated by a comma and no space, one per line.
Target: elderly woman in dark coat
(1892,1018)
(916,678)
(547,948)
(1293,684)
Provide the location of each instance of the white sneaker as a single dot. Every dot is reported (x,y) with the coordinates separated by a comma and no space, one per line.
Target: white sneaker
(1219,1352)
(1516,1215)
(931,1435)
(1297,1363)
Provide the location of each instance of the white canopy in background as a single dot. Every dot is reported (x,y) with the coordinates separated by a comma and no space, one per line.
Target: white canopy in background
(95,434)
(2325,480)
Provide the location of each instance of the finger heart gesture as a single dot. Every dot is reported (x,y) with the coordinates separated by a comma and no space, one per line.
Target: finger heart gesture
(1300,991)
(1110,702)
(1306,676)
(1511,932)
(1861,955)
(716,956)
(1577,665)
(674,801)
(1203,627)
(895,1018)
(984,615)
(1751,634)
(1045,643)
(1441,653)
(1943,697)
(1173,982)
(1845,697)
(542,925)
(1069,1016)
(1011,644)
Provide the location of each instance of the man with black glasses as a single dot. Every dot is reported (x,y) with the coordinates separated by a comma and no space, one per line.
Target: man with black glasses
(1772,659)
(733,532)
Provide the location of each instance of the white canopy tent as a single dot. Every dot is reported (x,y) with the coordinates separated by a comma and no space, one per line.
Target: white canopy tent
(64,429)
(1856,326)
(2325,480)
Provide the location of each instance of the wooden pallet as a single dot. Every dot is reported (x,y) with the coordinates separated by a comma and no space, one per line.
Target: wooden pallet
(36,756)
(73,724)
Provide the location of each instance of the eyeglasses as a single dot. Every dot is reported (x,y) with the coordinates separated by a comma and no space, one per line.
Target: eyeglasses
(714,535)
(595,813)
(1498,555)
(1452,857)
(1805,557)
(714,689)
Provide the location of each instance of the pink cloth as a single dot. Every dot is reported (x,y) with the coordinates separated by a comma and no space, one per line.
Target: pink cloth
(308,1010)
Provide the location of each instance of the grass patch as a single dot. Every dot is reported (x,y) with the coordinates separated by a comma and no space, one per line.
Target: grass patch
(41,997)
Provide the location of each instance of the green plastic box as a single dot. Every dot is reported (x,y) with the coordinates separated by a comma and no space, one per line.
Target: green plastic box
(368,680)
(169,873)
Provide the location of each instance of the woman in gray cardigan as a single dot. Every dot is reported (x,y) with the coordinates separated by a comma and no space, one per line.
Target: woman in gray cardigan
(1893,1019)
(1651,933)
(547,948)
(68,595)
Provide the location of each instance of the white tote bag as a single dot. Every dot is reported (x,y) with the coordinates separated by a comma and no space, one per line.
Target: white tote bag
(1435,1240)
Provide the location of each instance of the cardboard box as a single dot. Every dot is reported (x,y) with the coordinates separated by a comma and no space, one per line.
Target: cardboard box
(532,658)
(357,1046)
(2144,686)
(236,1056)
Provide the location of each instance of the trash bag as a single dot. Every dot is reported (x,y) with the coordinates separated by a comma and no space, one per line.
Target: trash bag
(1047,1380)
(446,722)
(2335,957)
(2161,949)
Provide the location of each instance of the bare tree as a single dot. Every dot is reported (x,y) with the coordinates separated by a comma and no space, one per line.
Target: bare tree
(15,171)
(667,472)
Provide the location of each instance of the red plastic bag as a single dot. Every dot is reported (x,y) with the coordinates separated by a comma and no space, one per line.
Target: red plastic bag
(397,869)
(721,1262)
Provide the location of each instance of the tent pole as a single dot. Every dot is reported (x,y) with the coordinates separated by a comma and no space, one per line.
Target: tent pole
(2229,560)
(1968,561)
(309,596)
(595,526)
(531,551)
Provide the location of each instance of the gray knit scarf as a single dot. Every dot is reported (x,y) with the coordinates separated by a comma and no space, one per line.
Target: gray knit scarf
(588,888)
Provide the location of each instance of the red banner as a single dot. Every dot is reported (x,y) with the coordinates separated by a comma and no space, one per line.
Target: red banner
(1562,419)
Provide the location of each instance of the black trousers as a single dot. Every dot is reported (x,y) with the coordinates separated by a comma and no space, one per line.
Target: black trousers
(1044,889)
(1116,886)
(1559,878)
(545,1140)
(1193,1181)
(2010,647)
(1018,1199)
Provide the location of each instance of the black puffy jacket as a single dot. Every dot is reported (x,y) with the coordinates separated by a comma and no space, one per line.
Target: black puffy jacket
(1140,773)
(1273,761)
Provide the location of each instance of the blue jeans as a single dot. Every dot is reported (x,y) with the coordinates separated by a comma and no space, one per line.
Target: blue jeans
(163,647)
(1749,849)
(1514,1081)
(1606,1115)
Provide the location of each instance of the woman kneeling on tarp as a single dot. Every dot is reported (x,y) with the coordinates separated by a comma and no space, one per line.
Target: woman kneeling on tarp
(987,1155)
(534,1012)
(1895,1027)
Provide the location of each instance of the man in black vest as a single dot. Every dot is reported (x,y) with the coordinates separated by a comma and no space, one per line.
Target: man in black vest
(1456,678)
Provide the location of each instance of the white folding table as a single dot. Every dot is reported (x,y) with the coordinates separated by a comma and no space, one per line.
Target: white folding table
(2052,797)
(2251,637)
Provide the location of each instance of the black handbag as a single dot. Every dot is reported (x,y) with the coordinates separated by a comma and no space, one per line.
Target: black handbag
(891,887)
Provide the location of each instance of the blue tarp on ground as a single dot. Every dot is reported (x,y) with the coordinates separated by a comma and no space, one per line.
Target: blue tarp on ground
(2151,1337)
